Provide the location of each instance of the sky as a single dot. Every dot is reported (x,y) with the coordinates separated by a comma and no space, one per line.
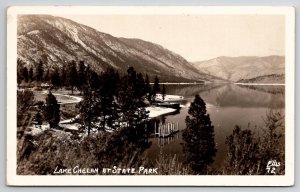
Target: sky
(198,37)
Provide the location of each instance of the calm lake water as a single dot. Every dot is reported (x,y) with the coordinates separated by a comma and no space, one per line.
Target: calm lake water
(228,105)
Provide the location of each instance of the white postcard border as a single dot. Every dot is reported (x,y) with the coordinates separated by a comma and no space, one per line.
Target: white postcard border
(208,180)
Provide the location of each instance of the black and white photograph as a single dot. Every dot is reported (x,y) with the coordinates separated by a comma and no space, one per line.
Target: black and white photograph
(144,94)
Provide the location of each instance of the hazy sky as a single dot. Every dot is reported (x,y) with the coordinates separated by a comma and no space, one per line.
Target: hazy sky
(198,37)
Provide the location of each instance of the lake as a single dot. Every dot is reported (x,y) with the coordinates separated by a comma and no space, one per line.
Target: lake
(228,105)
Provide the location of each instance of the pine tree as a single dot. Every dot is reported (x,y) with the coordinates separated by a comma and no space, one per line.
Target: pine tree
(95,82)
(156,88)
(30,74)
(98,108)
(52,111)
(163,92)
(87,110)
(199,145)
(47,76)
(20,66)
(19,77)
(72,76)
(63,76)
(130,100)
(55,78)
(107,108)
(140,87)
(88,75)
(132,107)
(25,74)
(81,76)
(148,89)
(39,74)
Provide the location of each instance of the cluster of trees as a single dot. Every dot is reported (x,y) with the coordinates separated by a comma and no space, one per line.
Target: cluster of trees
(111,101)
(249,154)
(77,76)
(71,75)
(31,111)
(108,98)
(30,74)
(42,154)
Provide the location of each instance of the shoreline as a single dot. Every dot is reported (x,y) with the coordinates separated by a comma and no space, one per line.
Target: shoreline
(261,84)
(167,83)
(155,111)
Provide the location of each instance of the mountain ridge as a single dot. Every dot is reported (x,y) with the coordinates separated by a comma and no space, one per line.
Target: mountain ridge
(57,40)
(235,69)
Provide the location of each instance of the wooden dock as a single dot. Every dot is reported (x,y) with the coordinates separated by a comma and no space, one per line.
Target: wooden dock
(166,130)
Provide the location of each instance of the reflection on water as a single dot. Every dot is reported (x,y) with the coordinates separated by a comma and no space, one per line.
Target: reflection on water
(228,105)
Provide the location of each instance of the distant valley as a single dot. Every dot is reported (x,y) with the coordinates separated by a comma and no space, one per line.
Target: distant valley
(269,69)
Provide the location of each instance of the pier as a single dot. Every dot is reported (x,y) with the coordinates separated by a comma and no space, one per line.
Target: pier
(166,130)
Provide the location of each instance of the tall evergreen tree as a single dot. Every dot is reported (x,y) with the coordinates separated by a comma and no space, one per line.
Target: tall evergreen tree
(88,114)
(81,76)
(72,76)
(141,89)
(107,108)
(20,66)
(88,75)
(156,88)
(39,74)
(98,108)
(52,111)
(148,89)
(199,145)
(129,99)
(95,80)
(109,100)
(163,92)
(25,74)
(19,78)
(87,107)
(55,78)
(63,75)
(47,76)
(30,74)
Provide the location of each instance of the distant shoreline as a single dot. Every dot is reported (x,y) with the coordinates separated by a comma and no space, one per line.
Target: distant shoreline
(275,84)
(259,84)
(180,83)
